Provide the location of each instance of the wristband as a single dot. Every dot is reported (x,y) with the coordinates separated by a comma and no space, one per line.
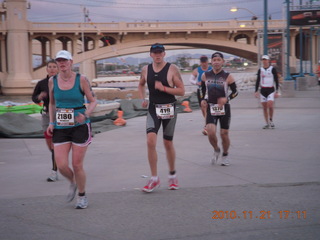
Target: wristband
(52,123)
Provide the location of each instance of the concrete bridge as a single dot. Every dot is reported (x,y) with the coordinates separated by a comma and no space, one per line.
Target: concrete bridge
(20,39)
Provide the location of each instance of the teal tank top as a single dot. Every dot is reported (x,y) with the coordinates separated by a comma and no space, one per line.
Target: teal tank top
(72,98)
(200,72)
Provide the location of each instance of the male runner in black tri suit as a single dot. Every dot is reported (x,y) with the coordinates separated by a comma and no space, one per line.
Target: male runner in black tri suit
(217,82)
(164,81)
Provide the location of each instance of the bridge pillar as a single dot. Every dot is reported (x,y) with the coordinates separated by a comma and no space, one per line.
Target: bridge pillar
(52,48)
(19,77)
(87,68)
(293,58)
(3,56)
(43,51)
(74,45)
(96,42)
(251,39)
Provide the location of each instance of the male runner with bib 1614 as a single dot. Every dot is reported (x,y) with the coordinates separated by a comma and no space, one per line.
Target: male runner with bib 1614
(216,100)
(164,82)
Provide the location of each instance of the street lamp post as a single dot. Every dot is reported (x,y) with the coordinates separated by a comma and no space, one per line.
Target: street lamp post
(265,30)
(235,9)
(288,75)
(85,16)
(83,48)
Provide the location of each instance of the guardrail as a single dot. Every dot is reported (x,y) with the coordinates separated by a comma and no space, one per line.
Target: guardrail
(150,26)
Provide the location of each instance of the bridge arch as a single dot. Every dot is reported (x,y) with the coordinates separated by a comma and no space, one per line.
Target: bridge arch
(134,47)
(65,41)
(88,43)
(45,46)
(248,51)
(107,40)
(241,36)
(42,44)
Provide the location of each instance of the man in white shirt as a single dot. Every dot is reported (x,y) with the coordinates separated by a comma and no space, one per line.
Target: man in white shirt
(267,80)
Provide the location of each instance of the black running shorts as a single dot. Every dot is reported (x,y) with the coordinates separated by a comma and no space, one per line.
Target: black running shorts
(224,120)
(79,135)
(154,123)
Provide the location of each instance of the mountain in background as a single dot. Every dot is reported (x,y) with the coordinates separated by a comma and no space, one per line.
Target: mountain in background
(173,58)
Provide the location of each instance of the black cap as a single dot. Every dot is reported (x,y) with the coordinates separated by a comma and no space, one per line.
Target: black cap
(157,47)
(203,58)
(217,54)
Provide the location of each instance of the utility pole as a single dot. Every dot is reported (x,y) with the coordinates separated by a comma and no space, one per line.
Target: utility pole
(265,29)
(288,75)
(85,17)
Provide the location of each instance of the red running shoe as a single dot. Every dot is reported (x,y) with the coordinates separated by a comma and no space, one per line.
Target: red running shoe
(204,131)
(151,185)
(173,183)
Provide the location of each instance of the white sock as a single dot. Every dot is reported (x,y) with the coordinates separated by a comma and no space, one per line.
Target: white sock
(154,178)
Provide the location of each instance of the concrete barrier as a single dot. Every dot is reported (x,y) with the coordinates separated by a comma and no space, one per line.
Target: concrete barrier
(115,93)
(288,89)
(302,83)
(312,81)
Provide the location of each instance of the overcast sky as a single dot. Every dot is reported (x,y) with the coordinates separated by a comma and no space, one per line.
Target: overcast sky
(152,10)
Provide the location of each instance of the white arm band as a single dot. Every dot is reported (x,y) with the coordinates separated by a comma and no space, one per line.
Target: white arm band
(206,96)
(193,79)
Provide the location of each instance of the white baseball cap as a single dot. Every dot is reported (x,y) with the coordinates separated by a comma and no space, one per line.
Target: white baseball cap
(265,57)
(64,54)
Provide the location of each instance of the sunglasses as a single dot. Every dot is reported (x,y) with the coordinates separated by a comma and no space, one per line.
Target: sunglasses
(157,46)
(61,60)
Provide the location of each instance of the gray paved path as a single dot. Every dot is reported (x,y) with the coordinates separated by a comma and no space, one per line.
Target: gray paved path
(272,171)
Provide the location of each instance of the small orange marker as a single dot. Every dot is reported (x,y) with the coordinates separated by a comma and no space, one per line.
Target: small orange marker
(120,121)
(186,105)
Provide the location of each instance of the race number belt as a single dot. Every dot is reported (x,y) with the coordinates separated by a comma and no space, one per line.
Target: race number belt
(65,116)
(165,111)
(215,110)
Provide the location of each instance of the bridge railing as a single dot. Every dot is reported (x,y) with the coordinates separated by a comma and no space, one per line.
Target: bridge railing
(205,25)
(115,27)
(152,26)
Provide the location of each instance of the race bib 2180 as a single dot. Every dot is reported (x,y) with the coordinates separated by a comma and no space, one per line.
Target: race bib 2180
(65,117)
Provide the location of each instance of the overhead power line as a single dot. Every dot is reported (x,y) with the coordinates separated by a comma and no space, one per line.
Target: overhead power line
(117,4)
